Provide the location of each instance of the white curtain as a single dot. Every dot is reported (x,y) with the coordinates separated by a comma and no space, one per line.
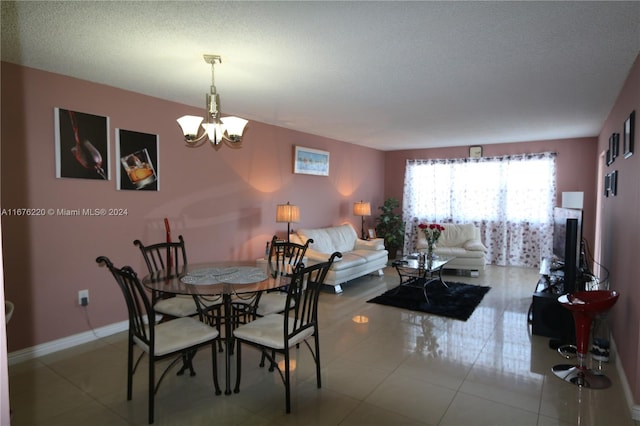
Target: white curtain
(510,199)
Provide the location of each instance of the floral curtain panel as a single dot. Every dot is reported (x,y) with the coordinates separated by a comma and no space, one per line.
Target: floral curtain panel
(509,198)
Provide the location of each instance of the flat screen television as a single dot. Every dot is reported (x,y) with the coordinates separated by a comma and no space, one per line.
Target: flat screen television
(567,239)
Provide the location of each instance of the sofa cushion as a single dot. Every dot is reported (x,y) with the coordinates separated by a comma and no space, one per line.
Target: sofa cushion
(349,260)
(456,235)
(370,255)
(458,252)
(327,240)
(474,245)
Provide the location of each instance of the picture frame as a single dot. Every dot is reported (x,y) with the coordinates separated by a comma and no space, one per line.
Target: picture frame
(372,233)
(138,161)
(628,135)
(475,151)
(614,145)
(607,180)
(310,161)
(613,183)
(81,145)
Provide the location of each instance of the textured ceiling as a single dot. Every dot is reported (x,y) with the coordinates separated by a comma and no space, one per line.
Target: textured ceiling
(388,75)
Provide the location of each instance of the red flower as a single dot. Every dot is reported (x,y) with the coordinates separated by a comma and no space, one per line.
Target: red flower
(431,231)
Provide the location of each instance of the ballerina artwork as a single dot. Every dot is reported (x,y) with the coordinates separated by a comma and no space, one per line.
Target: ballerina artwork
(82,145)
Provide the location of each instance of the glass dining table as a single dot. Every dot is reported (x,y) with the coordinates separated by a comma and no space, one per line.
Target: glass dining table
(218,279)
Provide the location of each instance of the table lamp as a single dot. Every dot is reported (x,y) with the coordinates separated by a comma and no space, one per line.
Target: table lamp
(362,209)
(287,213)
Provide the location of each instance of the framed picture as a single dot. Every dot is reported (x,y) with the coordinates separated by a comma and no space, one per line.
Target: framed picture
(614,144)
(629,134)
(372,233)
(137,155)
(607,179)
(81,145)
(609,156)
(310,161)
(475,151)
(613,183)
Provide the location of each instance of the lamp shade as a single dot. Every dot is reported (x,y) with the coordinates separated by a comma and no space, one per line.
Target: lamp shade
(189,124)
(287,213)
(362,209)
(234,126)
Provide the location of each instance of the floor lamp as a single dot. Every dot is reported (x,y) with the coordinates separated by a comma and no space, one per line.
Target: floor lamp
(362,209)
(287,213)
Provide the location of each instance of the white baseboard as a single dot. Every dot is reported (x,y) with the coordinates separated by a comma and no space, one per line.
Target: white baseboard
(628,395)
(66,342)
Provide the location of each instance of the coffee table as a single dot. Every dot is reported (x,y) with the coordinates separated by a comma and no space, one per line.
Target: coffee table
(413,274)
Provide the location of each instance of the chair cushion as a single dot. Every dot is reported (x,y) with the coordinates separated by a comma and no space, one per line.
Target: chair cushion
(175,335)
(176,306)
(184,306)
(271,303)
(269,331)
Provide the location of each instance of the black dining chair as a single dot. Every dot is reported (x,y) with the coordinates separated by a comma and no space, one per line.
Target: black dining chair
(284,258)
(172,256)
(277,333)
(179,337)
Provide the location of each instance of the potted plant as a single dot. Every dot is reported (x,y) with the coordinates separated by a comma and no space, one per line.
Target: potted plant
(390,226)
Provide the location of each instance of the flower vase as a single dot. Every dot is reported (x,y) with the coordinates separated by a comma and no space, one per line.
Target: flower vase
(431,246)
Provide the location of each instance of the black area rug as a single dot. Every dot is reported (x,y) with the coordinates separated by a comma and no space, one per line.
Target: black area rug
(458,301)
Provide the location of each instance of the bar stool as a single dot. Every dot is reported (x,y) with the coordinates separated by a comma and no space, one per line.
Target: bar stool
(584,306)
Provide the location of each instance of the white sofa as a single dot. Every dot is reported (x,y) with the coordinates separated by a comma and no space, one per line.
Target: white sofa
(462,241)
(359,257)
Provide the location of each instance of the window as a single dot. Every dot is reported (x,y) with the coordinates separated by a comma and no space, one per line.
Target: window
(510,198)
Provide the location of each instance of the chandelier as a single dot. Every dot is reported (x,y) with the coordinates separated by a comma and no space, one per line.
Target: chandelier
(215,128)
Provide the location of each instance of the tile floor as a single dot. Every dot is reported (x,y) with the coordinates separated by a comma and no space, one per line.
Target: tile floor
(400,368)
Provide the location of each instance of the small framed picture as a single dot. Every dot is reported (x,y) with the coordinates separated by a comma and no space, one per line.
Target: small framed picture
(613,183)
(372,233)
(614,145)
(475,151)
(310,161)
(607,183)
(628,135)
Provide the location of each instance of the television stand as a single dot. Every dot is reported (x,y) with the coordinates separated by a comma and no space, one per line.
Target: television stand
(547,316)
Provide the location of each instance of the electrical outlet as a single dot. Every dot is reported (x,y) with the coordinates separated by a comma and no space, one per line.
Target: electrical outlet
(83,297)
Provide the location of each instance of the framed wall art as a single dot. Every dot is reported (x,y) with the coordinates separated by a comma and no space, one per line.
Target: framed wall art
(81,145)
(614,145)
(310,161)
(628,135)
(137,155)
(613,183)
(475,151)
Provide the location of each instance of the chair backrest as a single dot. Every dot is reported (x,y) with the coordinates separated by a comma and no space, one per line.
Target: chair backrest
(138,304)
(166,255)
(285,256)
(302,297)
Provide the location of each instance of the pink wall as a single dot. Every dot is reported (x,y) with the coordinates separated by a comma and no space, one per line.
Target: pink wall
(621,231)
(222,201)
(576,165)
